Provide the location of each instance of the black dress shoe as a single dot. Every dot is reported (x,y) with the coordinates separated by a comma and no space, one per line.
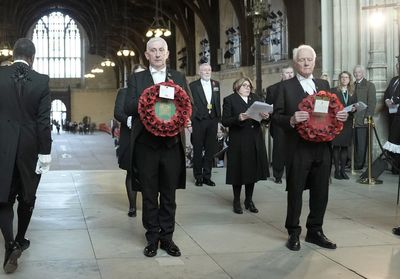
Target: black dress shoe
(278,180)
(344,174)
(132,212)
(237,208)
(151,249)
(396,231)
(170,247)
(199,182)
(23,243)
(13,252)
(320,239)
(250,206)
(293,242)
(208,182)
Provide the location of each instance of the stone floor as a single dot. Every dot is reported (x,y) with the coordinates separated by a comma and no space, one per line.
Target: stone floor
(80,228)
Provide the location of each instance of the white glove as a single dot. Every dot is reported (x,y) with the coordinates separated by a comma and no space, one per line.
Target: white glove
(129,122)
(43,163)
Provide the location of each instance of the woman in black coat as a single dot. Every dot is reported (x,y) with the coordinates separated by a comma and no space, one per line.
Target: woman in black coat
(345,93)
(246,155)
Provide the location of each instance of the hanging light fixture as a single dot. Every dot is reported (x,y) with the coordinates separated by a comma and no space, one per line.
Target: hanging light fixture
(90,75)
(97,70)
(124,50)
(107,63)
(159,27)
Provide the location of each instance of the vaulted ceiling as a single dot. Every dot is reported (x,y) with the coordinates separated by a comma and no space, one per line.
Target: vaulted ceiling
(107,26)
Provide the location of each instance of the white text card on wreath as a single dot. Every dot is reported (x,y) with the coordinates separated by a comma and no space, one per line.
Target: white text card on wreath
(167,92)
(321,105)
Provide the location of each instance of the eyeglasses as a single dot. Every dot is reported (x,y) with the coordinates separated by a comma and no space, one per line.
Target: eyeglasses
(245,85)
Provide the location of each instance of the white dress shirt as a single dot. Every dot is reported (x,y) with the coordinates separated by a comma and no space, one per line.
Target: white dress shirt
(307,84)
(206,84)
(158,75)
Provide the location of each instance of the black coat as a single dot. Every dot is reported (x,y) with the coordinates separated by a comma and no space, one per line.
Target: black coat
(24,127)
(346,135)
(246,155)
(124,135)
(393,92)
(200,101)
(137,83)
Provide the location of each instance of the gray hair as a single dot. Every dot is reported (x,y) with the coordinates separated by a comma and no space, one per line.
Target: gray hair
(297,49)
(204,64)
(286,67)
(156,39)
(361,67)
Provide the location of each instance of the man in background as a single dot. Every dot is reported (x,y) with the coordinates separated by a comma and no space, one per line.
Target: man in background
(206,98)
(278,135)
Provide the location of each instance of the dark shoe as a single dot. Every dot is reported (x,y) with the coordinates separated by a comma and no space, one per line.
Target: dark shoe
(170,247)
(337,175)
(344,174)
(293,242)
(237,208)
(151,249)
(199,182)
(396,231)
(13,252)
(320,239)
(132,212)
(23,243)
(278,180)
(250,206)
(208,182)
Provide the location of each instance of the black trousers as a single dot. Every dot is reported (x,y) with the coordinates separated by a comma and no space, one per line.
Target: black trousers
(204,141)
(159,172)
(360,146)
(310,168)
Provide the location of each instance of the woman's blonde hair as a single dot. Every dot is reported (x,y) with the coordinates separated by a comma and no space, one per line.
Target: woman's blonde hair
(350,86)
(239,82)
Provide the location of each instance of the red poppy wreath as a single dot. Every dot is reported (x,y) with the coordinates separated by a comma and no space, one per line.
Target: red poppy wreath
(320,127)
(164,117)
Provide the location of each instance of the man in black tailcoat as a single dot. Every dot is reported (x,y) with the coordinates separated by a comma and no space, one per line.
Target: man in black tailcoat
(25,145)
(158,163)
(206,98)
(308,164)
(278,145)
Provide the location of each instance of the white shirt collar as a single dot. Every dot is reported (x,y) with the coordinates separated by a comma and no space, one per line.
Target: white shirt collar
(152,70)
(307,84)
(21,61)
(300,77)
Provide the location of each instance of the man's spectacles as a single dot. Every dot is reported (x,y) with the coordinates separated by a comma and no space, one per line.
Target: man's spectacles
(246,85)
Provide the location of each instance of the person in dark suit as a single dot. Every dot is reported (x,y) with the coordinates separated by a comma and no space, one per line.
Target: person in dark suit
(123,142)
(308,164)
(158,163)
(206,98)
(25,145)
(278,147)
(345,93)
(246,155)
(365,92)
(392,101)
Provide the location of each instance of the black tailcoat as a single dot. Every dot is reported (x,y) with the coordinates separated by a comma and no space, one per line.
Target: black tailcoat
(124,135)
(24,127)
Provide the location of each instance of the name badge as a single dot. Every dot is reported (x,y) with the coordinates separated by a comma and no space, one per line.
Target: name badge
(167,92)
(321,105)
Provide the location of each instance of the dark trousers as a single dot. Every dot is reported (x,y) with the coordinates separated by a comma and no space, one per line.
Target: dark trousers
(204,141)
(310,168)
(159,173)
(360,146)
(278,152)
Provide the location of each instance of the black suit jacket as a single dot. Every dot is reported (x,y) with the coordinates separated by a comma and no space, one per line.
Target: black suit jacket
(137,83)
(124,136)
(24,126)
(200,101)
(290,95)
(390,93)
(272,93)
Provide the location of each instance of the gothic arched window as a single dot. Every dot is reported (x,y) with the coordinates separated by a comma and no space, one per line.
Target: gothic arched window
(58,46)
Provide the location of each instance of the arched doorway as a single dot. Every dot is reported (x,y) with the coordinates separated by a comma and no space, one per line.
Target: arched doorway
(58,113)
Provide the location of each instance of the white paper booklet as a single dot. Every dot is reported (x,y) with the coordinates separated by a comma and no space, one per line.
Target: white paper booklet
(254,110)
(359,106)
